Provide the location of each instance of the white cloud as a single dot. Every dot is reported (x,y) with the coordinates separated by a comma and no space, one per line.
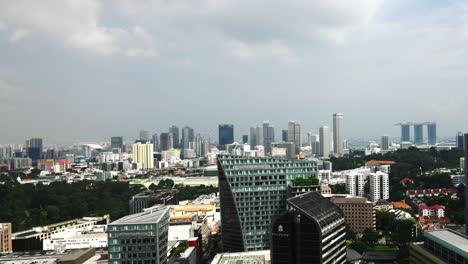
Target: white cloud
(18,35)
(75,24)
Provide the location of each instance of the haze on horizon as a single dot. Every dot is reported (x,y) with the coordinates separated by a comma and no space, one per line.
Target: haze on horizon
(85,70)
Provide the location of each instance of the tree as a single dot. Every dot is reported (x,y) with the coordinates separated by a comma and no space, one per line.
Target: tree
(359,246)
(165,184)
(370,237)
(339,188)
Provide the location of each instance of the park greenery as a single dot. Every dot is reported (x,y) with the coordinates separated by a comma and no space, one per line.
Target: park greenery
(28,205)
(305,181)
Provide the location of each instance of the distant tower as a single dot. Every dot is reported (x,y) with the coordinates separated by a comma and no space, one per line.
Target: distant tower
(245,139)
(284,135)
(268,136)
(144,136)
(385,143)
(405,131)
(314,143)
(226,134)
(338,133)
(166,141)
(175,136)
(155,141)
(418,134)
(253,137)
(431,133)
(325,141)
(459,140)
(143,153)
(117,143)
(294,134)
(34,148)
(187,137)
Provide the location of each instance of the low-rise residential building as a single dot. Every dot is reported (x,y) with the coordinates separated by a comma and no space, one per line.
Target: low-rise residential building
(401,205)
(435,210)
(5,238)
(432,192)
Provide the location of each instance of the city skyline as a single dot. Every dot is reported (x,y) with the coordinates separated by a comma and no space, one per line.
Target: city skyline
(117,67)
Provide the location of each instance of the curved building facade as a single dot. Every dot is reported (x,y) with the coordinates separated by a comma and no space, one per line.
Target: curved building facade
(252,192)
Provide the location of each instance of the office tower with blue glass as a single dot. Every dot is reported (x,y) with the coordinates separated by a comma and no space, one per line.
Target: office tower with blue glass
(418,134)
(175,136)
(187,137)
(284,135)
(252,192)
(431,133)
(34,148)
(226,134)
(459,141)
(117,143)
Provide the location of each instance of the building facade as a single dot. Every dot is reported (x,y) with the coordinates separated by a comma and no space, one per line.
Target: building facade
(140,238)
(325,141)
(312,231)
(174,130)
(294,135)
(166,141)
(268,137)
(187,137)
(355,183)
(379,186)
(431,133)
(338,134)
(117,143)
(144,136)
(143,153)
(359,213)
(459,141)
(385,143)
(252,192)
(225,134)
(5,238)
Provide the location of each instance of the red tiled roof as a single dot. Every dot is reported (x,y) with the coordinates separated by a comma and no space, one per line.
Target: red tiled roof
(411,192)
(380,162)
(453,190)
(406,179)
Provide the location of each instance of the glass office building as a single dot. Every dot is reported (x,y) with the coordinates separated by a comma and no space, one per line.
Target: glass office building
(252,192)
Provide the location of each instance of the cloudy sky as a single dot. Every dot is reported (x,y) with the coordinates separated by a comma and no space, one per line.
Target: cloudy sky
(83,70)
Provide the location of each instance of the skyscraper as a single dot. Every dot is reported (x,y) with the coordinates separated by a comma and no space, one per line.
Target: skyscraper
(245,139)
(187,137)
(140,238)
(284,135)
(418,134)
(166,141)
(431,133)
(175,136)
(117,143)
(143,153)
(155,141)
(312,231)
(268,136)
(34,148)
(338,134)
(253,191)
(459,140)
(294,134)
(325,141)
(385,143)
(405,132)
(253,137)
(144,136)
(314,143)
(201,146)
(225,134)
(379,187)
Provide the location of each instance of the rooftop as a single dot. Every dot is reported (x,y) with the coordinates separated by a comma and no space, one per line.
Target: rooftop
(149,216)
(450,239)
(346,200)
(380,162)
(193,208)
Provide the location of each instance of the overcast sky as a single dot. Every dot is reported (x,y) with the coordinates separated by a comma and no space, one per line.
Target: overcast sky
(84,70)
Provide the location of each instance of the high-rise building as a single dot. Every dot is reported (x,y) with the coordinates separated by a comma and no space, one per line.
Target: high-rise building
(440,246)
(355,183)
(140,238)
(314,143)
(253,136)
(385,144)
(143,153)
(5,238)
(144,136)
(245,139)
(201,146)
(358,222)
(253,191)
(418,134)
(379,186)
(466,179)
(259,136)
(187,137)
(34,148)
(338,134)
(312,231)
(175,136)
(155,141)
(284,135)
(117,143)
(325,141)
(290,148)
(166,141)
(459,141)
(431,133)
(226,134)
(294,135)
(405,132)
(268,136)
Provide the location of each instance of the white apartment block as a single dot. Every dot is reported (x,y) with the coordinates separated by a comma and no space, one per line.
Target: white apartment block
(355,183)
(379,186)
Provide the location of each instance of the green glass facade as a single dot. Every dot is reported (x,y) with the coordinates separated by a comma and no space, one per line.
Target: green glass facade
(252,192)
(135,242)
